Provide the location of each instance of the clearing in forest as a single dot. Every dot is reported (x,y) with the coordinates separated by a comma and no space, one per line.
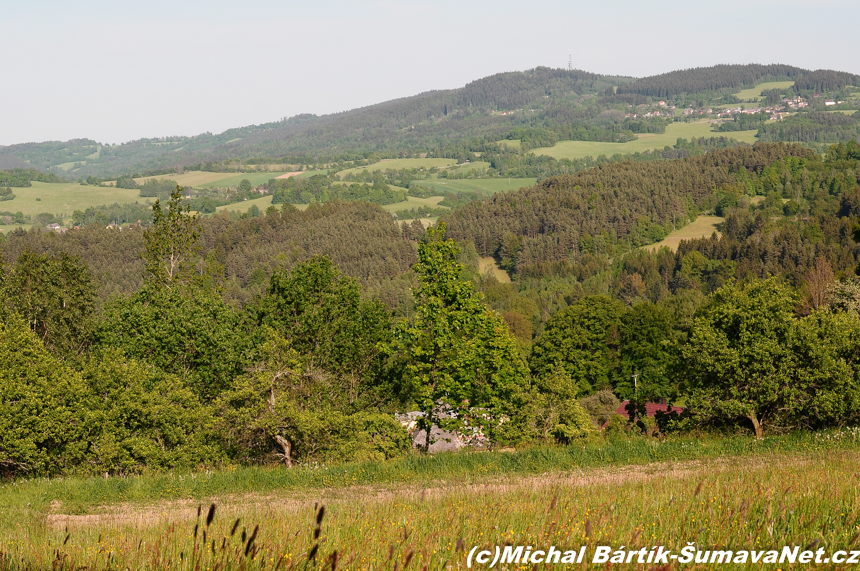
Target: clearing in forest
(701,227)
(755,92)
(489,265)
(482,185)
(399,164)
(675,131)
(413,202)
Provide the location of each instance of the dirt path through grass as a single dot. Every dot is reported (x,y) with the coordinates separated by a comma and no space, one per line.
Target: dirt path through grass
(301,501)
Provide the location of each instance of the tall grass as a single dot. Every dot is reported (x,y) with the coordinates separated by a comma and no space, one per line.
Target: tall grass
(729,493)
(78,494)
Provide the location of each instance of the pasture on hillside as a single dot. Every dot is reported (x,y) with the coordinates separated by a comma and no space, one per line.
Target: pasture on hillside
(644,142)
(190,178)
(203,179)
(399,164)
(476,166)
(483,185)
(701,227)
(414,202)
(729,493)
(255,178)
(65,198)
(756,92)
(262,203)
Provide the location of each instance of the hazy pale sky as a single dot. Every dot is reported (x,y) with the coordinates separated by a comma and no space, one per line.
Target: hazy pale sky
(114,70)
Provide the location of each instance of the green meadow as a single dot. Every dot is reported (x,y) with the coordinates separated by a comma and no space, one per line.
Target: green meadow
(413,202)
(65,198)
(484,185)
(701,227)
(645,142)
(398,164)
(262,203)
(255,178)
(755,92)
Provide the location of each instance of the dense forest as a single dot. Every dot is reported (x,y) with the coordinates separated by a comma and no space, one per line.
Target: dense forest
(614,205)
(703,79)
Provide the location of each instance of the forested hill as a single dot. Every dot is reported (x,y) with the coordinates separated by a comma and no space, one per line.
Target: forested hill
(594,210)
(537,107)
(417,122)
(713,78)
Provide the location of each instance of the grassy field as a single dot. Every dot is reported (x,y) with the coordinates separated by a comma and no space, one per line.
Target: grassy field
(733,493)
(397,164)
(191,178)
(255,178)
(426,222)
(475,166)
(262,203)
(413,202)
(701,227)
(513,143)
(581,149)
(755,92)
(65,198)
(485,185)
(9,227)
(488,265)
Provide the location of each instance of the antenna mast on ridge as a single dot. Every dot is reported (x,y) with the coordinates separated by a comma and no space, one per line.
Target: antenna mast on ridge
(570,61)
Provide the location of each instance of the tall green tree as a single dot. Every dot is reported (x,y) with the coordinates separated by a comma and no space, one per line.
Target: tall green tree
(458,354)
(171,242)
(649,348)
(749,357)
(55,294)
(42,400)
(583,339)
(284,402)
(187,331)
(322,314)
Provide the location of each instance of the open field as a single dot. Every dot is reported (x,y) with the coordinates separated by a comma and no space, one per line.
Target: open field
(488,265)
(485,185)
(724,494)
(413,202)
(9,227)
(475,166)
(701,227)
(426,222)
(191,178)
(755,92)
(397,164)
(675,131)
(512,143)
(255,178)
(65,198)
(262,203)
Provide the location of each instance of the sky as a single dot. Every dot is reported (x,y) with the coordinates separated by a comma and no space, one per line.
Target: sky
(116,70)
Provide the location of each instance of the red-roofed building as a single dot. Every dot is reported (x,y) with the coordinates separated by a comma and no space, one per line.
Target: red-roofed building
(651,408)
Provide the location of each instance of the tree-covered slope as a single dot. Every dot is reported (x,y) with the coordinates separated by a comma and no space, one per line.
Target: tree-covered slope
(592,210)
